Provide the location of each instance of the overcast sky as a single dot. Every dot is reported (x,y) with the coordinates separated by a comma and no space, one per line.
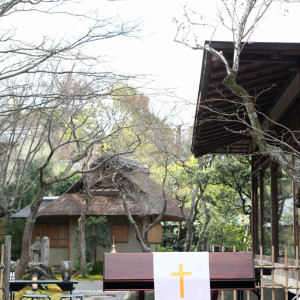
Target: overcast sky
(169,65)
(174,66)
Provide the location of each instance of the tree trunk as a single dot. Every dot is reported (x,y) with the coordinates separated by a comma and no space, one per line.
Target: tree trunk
(140,237)
(189,236)
(81,225)
(258,133)
(204,227)
(179,227)
(132,222)
(27,235)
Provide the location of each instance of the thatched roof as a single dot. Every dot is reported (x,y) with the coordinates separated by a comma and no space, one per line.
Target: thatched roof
(23,213)
(147,199)
(115,161)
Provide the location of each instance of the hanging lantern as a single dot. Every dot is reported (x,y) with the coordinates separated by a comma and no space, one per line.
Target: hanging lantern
(34,285)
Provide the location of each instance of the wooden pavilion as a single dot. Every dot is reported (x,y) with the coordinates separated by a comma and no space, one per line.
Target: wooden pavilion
(270,72)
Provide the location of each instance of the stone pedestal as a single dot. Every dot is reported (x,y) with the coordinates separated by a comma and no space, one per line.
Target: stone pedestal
(45,249)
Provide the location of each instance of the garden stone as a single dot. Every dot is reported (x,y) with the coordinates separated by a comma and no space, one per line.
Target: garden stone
(42,271)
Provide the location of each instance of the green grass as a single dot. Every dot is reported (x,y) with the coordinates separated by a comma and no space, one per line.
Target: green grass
(76,276)
(88,278)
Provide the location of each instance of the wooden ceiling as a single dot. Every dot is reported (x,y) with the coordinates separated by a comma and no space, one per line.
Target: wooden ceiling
(266,70)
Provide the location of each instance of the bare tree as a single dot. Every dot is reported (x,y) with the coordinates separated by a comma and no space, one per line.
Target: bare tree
(21,139)
(133,109)
(27,57)
(69,129)
(24,127)
(190,203)
(146,208)
(241,18)
(90,180)
(38,75)
(81,223)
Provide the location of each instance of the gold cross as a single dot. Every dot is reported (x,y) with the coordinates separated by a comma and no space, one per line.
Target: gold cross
(181,274)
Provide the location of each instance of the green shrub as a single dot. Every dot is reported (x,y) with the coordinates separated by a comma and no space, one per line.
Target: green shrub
(97,268)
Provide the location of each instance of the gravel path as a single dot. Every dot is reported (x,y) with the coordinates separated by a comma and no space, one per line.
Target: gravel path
(93,290)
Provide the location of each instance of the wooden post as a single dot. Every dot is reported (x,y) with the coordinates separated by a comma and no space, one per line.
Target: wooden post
(297,272)
(1,271)
(274,209)
(273,271)
(234,292)
(286,273)
(261,272)
(222,292)
(254,213)
(7,267)
(223,248)
(296,218)
(247,250)
(261,210)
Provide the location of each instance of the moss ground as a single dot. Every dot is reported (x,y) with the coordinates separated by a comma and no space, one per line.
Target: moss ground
(53,290)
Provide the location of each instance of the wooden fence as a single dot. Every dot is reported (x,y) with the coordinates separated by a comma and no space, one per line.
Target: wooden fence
(274,280)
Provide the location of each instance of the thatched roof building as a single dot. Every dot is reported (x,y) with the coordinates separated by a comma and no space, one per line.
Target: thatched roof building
(144,195)
(58,219)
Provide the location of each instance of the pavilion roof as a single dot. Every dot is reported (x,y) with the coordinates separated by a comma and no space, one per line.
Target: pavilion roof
(266,69)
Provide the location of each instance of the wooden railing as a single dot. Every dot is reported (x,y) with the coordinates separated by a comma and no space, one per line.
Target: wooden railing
(287,273)
(272,277)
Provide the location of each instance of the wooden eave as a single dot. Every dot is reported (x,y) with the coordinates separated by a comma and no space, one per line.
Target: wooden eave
(265,68)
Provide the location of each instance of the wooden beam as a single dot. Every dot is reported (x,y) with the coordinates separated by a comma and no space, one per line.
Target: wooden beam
(285,100)
(207,145)
(277,111)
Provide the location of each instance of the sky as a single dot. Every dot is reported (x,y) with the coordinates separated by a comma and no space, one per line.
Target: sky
(174,66)
(170,69)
